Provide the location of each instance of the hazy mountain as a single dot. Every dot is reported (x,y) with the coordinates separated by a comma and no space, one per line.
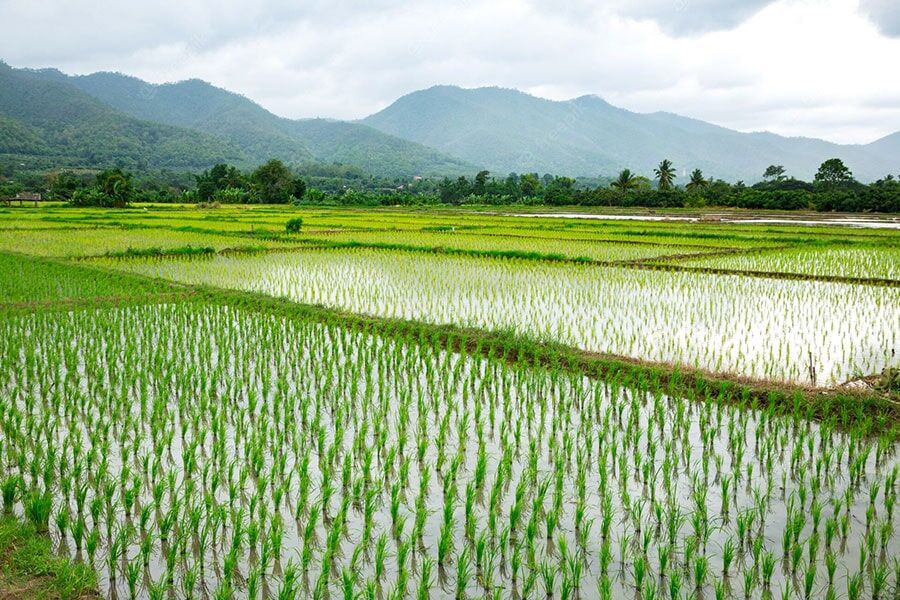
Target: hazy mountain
(63,126)
(108,118)
(508,130)
(260,134)
(888,145)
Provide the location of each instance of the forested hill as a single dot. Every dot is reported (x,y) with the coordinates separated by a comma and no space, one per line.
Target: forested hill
(53,123)
(260,134)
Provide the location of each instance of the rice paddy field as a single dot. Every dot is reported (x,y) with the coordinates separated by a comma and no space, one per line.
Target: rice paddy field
(451,404)
(761,328)
(852,261)
(100,241)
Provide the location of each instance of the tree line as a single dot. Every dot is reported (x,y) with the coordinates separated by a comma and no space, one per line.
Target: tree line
(271,183)
(833,189)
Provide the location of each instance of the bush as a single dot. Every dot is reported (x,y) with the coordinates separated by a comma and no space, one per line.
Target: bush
(91,197)
(294,225)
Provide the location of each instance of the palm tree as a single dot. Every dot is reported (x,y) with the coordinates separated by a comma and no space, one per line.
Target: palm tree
(665,174)
(697,181)
(626,181)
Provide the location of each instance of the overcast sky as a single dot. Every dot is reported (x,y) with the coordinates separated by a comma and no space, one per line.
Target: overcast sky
(822,68)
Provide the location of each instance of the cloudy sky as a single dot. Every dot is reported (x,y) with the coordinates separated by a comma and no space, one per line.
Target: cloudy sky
(823,68)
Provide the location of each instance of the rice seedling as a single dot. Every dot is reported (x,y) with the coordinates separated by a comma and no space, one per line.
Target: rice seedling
(37,508)
(854,586)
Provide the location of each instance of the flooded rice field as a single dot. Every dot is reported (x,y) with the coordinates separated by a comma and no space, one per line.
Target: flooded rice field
(854,261)
(808,332)
(192,451)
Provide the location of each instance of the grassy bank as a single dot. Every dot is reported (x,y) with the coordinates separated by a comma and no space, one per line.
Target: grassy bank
(29,570)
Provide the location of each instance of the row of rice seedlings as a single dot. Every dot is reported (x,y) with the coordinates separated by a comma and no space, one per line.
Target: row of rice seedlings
(209,452)
(797,331)
(880,262)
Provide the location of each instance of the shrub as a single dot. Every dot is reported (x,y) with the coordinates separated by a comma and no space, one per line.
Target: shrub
(294,225)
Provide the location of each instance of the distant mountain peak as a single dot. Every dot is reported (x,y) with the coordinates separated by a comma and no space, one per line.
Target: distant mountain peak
(591,99)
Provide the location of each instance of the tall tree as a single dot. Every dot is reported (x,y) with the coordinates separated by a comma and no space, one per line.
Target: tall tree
(273,182)
(64,184)
(774,173)
(530,184)
(665,175)
(625,181)
(697,181)
(299,189)
(833,172)
(116,185)
(480,183)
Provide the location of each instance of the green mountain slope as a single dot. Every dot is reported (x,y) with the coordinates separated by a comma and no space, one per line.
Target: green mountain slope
(512,131)
(260,134)
(370,149)
(52,120)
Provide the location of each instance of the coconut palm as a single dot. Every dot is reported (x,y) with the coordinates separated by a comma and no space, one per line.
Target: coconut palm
(697,181)
(625,181)
(665,175)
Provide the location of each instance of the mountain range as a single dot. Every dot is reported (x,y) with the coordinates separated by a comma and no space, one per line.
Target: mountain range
(109,118)
(513,131)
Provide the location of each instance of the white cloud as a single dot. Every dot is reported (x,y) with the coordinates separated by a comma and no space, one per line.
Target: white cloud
(677,17)
(884,13)
(798,67)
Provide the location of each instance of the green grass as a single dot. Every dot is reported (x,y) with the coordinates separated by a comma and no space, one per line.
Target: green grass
(29,570)
(278,380)
(156,251)
(25,279)
(102,241)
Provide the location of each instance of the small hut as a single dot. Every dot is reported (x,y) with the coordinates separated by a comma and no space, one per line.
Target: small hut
(24,197)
